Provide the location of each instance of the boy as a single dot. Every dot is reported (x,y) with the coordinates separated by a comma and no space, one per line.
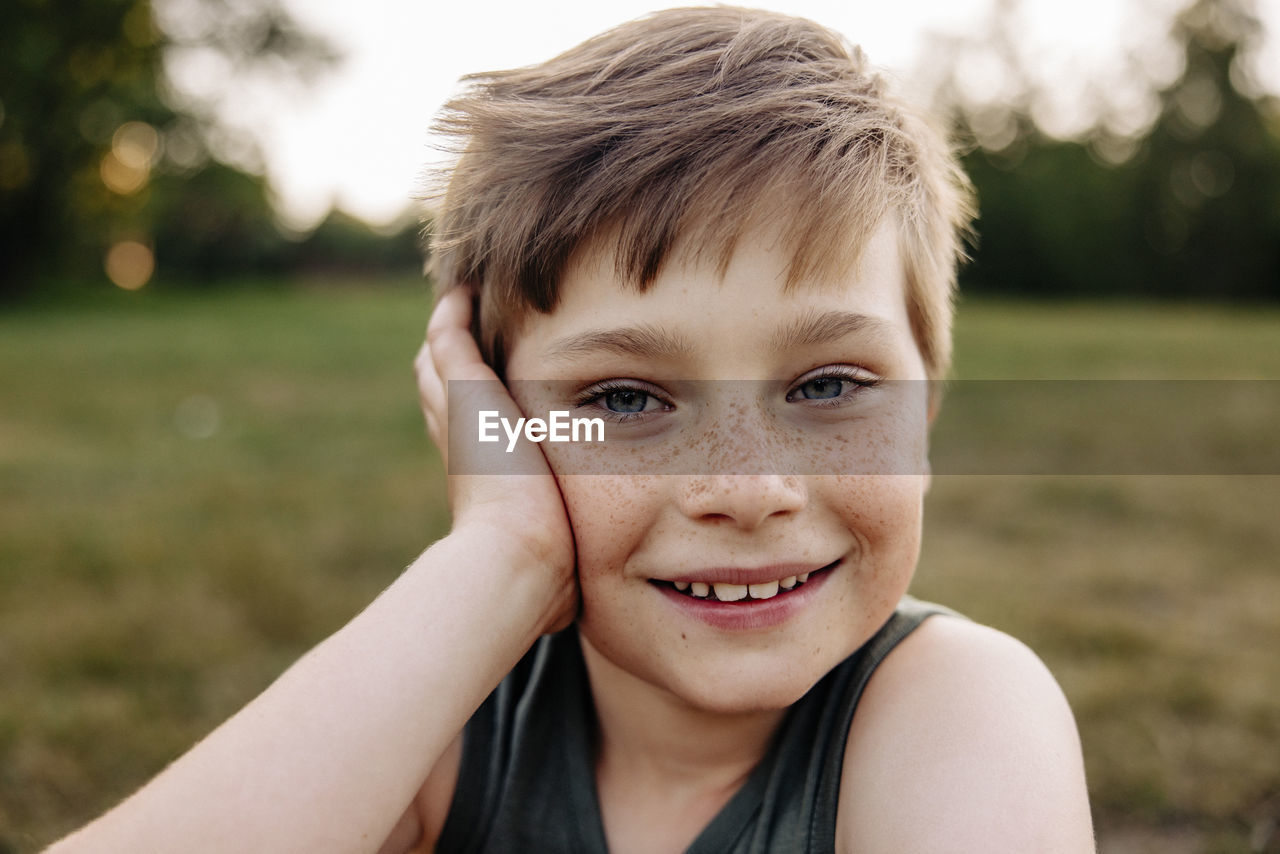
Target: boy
(712,230)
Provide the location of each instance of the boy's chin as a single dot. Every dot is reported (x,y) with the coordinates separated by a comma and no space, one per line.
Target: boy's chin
(737,682)
(755,682)
(719,678)
(730,697)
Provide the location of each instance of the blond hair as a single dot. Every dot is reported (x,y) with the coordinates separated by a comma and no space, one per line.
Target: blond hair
(686,128)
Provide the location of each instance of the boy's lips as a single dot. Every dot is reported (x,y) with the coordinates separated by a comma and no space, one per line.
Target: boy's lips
(739,607)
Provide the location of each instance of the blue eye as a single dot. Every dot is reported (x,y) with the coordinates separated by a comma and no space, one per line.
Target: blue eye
(823,388)
(834,385)
(625,400)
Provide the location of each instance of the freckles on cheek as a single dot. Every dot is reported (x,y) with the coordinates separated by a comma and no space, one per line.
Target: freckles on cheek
(880,507)
(606,513)
(885,514)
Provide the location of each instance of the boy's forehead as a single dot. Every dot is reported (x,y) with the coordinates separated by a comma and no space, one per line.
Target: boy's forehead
(693,294)
(761,249)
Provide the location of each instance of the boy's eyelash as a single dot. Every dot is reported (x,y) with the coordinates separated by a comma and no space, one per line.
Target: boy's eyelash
(596,391)
(859,377)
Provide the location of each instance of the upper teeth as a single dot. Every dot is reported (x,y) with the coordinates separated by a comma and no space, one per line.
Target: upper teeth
(727,592)
(764,591)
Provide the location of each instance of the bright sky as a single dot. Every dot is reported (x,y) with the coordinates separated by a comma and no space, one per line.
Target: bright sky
(359,137)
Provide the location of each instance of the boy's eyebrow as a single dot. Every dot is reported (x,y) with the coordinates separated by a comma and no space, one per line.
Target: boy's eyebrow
(651,342)
(821,327)
(643,341)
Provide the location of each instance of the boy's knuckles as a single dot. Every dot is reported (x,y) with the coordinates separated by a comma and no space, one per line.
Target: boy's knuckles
(437,330)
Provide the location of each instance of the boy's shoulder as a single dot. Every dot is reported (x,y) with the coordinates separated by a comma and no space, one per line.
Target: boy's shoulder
(963,741)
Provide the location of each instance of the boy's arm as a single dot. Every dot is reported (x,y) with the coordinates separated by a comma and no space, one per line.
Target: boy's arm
(329,756)
(963,742)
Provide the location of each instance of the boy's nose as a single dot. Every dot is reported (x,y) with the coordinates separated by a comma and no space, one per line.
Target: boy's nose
(743,500)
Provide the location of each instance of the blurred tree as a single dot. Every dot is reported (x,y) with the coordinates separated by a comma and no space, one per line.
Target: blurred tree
(344,245)
(1054,222)
(1190,206)
(1207,177)
(215,222)
(98,150)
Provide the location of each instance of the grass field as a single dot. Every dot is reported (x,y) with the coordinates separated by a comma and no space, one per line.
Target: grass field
(195,489)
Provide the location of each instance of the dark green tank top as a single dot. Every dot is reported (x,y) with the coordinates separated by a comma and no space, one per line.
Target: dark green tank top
(526,784)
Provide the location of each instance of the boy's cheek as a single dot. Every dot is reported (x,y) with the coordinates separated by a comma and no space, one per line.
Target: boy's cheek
(884,512)
(880,504)
(608,514)
(858,450)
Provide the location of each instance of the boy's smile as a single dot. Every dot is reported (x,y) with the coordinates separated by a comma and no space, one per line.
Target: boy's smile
(735,591)
(751,598)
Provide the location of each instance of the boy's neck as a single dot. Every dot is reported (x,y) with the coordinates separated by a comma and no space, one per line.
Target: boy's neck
(659,739)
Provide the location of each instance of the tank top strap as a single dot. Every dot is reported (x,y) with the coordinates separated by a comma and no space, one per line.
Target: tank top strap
(795,809)
(835,715)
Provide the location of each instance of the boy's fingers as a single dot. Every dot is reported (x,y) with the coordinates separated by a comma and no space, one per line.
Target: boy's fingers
(430,386)
(454,382)
(441,441)
(453,349)
(453,309)
(456,357)
(431,396)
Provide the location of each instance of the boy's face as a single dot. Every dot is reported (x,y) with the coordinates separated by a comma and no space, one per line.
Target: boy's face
(705,378)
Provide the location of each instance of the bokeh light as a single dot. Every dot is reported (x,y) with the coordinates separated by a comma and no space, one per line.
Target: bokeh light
(135,144)
(129,264)
(126,168)
(120,177)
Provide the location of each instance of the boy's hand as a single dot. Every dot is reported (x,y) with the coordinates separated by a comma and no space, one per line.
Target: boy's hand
(521,510)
